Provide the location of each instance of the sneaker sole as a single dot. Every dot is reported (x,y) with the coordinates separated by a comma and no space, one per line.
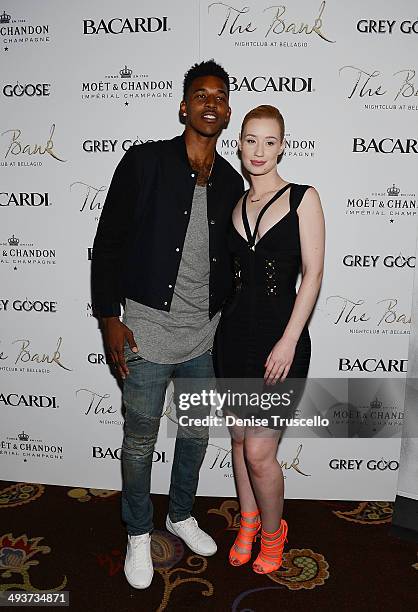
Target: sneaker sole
(198,552)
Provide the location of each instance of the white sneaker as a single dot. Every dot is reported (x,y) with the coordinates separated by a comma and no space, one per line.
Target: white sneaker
(139,569)
(196,539)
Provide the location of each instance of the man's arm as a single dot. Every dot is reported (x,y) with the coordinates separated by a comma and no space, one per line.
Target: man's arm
(111,236)
(108,248)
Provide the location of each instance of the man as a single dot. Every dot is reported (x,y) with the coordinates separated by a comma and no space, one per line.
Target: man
(160,249)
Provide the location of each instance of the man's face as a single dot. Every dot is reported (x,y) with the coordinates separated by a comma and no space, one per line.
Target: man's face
(206,105)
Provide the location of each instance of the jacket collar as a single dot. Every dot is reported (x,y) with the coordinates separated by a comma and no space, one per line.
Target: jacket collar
(179,145)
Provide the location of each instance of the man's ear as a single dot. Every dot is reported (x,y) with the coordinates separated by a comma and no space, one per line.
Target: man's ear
(229,114)
(183,108)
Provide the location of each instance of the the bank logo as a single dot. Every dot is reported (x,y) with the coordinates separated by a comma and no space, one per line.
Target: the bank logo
(99,406)
(374,89)
(219,459)
(15,31)
(385,316)
(89,198)
(266,25)
(23,355)
(17,151)
(125,86)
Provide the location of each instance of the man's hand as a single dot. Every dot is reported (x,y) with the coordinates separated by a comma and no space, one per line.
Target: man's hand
(115,335)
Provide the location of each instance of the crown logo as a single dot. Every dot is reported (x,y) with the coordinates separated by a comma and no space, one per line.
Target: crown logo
(5,18)
(125,73)
(13,241)
(23,436)
(375,404)
(393,191)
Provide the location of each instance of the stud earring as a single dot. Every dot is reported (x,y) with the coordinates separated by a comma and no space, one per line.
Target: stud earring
(184,114)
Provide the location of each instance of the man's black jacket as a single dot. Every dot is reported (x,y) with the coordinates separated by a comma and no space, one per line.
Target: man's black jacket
(140,236)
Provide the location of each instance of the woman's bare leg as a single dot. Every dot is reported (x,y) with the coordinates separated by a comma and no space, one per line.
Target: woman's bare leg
(246,497)
(265,472)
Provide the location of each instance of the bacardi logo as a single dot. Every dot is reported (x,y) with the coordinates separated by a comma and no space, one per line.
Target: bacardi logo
(385,145)
(126,25)
(24,198)
(17,400)
(277,84)
(103,452)
(372,364)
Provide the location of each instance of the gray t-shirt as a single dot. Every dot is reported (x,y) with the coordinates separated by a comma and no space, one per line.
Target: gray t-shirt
(185,331)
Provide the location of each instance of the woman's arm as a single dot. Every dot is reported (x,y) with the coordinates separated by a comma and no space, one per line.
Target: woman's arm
(312,240)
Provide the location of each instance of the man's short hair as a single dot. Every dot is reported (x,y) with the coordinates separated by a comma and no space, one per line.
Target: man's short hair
(209,68)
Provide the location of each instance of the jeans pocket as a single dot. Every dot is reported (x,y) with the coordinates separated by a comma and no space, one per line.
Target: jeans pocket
(133,358)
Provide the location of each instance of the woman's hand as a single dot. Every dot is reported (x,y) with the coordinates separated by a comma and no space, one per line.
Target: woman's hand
(279,361)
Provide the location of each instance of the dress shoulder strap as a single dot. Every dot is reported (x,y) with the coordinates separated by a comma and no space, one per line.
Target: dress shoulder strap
(296,194)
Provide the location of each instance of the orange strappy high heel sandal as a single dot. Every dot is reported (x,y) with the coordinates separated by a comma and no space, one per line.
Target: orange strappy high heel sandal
(270,555)
(245,538)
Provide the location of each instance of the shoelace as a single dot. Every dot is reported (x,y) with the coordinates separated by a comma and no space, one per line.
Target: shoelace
(193,528)
(136,545)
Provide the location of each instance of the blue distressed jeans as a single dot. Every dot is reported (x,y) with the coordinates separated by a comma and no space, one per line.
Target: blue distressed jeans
(143,396)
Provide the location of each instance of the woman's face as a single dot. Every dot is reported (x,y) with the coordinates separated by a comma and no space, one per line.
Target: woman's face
(260,145)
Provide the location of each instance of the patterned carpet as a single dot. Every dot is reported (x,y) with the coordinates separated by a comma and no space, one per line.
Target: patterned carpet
(339,556)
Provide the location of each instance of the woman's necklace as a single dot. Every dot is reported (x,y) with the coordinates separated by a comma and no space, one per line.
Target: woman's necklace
(265,193)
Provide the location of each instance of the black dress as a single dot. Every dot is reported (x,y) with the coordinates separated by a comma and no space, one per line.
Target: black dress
(256,315)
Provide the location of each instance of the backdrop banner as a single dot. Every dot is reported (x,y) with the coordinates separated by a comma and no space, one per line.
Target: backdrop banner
(405,516)
(80,84)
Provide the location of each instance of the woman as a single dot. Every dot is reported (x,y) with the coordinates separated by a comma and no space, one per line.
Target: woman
(277,229)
